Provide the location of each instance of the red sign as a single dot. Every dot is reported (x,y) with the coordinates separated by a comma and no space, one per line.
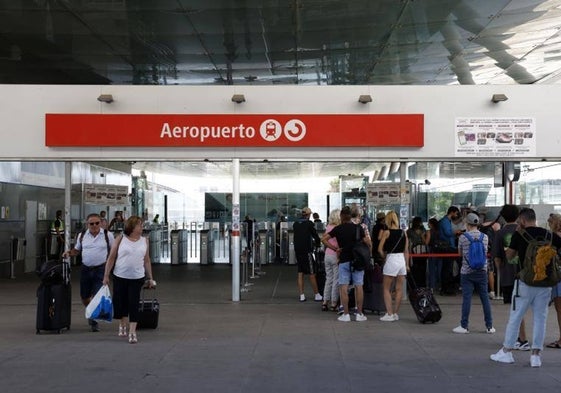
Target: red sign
(151,130)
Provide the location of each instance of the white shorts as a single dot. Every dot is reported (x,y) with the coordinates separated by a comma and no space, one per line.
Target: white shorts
(395,265)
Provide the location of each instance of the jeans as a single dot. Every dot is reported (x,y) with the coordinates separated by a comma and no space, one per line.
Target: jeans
(435,272)
(91,280)
(331,290)
(475,280)
(535,297)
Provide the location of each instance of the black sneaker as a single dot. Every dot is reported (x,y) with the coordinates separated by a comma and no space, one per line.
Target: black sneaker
(94,326)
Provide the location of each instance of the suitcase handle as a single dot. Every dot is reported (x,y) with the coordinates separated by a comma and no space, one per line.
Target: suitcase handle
(143,293)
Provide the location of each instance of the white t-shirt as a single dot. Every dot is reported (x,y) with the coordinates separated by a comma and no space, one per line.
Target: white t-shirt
(94,249)
(130,258)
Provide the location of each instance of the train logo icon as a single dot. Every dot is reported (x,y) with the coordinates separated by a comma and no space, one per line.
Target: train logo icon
(270,130)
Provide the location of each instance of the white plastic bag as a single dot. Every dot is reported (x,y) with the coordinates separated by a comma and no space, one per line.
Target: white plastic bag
(101,305)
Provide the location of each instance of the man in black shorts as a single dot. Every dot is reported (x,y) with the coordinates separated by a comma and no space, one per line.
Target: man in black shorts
(305,238)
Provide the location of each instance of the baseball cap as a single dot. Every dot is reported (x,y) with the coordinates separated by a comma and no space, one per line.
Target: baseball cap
(472,219)
(306,211)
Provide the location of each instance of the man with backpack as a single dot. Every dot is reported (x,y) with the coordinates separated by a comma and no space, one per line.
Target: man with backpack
(94,243)
(532,287)
(472,245)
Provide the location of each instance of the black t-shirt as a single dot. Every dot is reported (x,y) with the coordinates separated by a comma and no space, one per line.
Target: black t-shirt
(304,233)
(346,239)
(519,244)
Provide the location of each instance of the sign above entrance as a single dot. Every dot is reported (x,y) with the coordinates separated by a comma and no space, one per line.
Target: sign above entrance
(174,130)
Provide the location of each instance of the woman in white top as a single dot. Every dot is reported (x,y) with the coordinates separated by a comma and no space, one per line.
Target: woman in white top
(129,260)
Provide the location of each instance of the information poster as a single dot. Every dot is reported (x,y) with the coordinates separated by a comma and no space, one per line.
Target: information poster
(387,194)
(495,137)
(106,195)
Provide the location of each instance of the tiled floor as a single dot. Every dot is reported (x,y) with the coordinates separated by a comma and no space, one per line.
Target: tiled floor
(268,342)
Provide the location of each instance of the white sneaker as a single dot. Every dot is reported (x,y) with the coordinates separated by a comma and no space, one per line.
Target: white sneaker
(318,298)
(302,298)
(491,330)
(502,357)
(361,318)
(344,318)
(460,330)
(387,318)
(396,317)
(535,361)
(492,295)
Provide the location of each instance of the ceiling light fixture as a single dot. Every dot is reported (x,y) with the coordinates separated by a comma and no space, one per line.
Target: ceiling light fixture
(238,98)
(107,98)
(365,98)
(498,98)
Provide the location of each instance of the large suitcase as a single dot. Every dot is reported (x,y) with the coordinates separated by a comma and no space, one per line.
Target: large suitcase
(149,311)
(54,304)
(374,290)
(54,300)
(423,302)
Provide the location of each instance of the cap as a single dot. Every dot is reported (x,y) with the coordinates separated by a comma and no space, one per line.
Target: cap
(306,211)
(380,216)
(472,219)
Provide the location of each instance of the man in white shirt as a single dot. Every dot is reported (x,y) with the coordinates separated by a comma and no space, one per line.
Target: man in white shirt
(94,243)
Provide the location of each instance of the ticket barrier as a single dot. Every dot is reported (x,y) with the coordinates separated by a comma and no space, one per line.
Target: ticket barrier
(178,240)
(284,243)
(205,250)
(155,239)
(219,243)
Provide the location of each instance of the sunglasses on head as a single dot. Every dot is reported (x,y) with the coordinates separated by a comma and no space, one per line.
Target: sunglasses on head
(94,223)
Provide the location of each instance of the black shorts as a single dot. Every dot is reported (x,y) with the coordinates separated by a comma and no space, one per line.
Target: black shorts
(306,263)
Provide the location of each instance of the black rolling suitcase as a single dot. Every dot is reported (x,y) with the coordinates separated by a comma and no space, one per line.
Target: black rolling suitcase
(423,302)
(319,268)
(149,311)
(54,300)
(374,290)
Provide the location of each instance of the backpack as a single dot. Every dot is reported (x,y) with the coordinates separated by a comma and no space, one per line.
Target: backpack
(490,232)
(540,267)
(477,256)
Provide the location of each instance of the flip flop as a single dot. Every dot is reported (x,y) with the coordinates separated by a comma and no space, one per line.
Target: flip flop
(554,344)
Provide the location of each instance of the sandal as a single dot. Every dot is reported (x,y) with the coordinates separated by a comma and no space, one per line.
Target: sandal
(554,344)
(324,307)
(132,338)
(122,331)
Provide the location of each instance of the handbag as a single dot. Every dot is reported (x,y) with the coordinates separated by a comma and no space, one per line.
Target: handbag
(361,253)
(101,305)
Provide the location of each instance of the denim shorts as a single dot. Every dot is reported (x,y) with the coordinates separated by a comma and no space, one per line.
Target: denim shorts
(556,291)
(345,275)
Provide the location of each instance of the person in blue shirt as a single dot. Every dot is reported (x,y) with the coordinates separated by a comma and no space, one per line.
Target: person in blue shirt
(445,227)
(447,233)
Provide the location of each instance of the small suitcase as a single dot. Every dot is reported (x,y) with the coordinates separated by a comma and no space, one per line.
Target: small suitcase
(149,311)
(54,302)
(423,302)
(374,290)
